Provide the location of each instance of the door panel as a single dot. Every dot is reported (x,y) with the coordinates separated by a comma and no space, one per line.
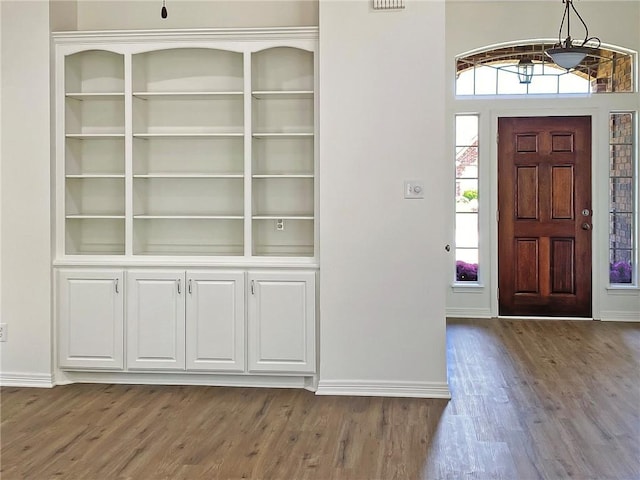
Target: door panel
(215,321)
(155,320)
(544,184)
(282,322)
(91,319)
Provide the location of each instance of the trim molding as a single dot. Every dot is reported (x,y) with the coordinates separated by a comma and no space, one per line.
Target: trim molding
(168,378)
(232,33)
(37,380)
(468,312)
(619,316)
(384,388)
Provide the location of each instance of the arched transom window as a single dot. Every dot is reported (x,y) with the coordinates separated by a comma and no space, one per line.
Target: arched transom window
(494,71)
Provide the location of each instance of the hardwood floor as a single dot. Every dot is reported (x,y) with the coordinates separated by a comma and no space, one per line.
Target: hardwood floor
(531,400)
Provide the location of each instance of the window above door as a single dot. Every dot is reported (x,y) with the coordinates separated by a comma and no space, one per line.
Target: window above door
(494,71)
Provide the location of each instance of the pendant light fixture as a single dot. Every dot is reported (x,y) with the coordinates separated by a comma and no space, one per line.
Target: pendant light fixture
(525,70)
(163,11)
(564,53)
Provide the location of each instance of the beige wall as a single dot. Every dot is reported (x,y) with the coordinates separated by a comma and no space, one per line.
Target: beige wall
(25,202)
(145,14)
(382,257)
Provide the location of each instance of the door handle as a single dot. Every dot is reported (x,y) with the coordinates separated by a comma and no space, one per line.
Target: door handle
(586,226)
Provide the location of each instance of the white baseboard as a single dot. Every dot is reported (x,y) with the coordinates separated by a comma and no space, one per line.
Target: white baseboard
(468,312)
(617,316)
(37,380)
(384,388)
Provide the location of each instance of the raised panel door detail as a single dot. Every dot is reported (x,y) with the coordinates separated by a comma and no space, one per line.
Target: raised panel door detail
(562,265)
(282,322)
(562,207)
(562,142)
(215,321)
(155,320)
(526,143)
(527,264)
(527,192)
(90,320)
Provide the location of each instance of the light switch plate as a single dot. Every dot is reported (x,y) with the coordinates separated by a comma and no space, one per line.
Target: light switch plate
(413,189)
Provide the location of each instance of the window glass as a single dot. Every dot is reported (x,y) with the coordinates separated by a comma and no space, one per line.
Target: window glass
(495,72)
(622,199)
(466,191)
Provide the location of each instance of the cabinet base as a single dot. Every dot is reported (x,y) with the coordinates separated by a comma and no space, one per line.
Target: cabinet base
(168,378)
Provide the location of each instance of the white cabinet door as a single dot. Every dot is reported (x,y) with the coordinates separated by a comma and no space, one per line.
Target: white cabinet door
(90,319)
(215,321)
(155,319)
(282,322)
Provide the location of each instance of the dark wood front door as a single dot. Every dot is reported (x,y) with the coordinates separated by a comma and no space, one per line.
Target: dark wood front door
(544,217)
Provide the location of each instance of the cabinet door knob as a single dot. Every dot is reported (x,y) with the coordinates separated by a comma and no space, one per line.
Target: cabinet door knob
(117,280)
(253,287)
(179,286)
(190,291)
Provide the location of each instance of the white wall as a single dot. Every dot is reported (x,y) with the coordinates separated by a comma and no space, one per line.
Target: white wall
(616,23)
(381,256)
(25,178)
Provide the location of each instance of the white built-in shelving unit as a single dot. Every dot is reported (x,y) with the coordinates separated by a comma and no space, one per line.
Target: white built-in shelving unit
(188,144)
(186,177)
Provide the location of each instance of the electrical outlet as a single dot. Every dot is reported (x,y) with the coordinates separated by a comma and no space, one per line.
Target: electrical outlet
(280,224)
(3,332)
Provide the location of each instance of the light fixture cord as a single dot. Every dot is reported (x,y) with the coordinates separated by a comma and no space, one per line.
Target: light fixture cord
(566,16)
(587,38)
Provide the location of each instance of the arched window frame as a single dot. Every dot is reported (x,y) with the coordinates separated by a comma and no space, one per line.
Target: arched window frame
(599,69)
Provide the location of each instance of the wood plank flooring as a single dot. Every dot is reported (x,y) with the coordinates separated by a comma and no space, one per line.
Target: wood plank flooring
(531,400)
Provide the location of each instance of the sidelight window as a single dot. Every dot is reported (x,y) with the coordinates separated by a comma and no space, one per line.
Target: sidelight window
(623,199)
(466,191)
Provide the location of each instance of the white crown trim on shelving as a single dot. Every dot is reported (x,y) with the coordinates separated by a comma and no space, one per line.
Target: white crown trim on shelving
(235,34)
